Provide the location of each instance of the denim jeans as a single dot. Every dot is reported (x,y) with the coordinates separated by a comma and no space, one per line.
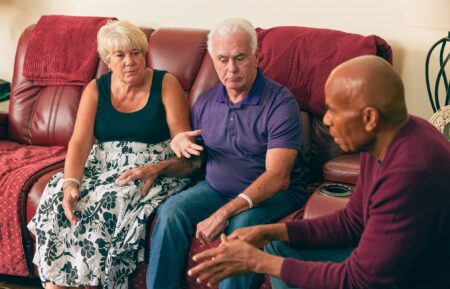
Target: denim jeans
(176,223)
(283,250)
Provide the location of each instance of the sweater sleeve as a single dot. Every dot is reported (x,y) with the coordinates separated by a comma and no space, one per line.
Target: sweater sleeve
(401,216)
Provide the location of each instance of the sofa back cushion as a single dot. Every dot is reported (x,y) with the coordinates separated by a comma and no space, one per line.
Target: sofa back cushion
(181,52)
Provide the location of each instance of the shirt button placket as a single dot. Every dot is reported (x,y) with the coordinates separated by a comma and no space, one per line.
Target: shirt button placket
(232,120)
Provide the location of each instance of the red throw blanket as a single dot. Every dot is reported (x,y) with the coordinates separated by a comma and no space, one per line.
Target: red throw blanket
(17,164)
(301,58)
(63,50)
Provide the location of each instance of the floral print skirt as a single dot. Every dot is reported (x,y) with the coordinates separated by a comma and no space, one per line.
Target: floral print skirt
(109,238)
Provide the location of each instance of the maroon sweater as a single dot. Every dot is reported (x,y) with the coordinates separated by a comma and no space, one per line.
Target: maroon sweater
(398,218)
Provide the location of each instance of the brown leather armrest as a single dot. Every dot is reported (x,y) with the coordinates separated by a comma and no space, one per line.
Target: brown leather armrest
(3,126)
(342,169)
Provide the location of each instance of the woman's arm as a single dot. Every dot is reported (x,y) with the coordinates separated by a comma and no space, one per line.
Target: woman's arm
(79,146)
(176,106)
(178,120)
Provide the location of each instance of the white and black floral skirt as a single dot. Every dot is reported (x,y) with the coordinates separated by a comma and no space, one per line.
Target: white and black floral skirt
(107,242)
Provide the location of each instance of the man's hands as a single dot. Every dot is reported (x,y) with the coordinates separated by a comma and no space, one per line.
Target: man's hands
(210,228)
(70,198)
(257,236)
(238,254)
(183,144)
(233,257)
(260,235)
(146,174)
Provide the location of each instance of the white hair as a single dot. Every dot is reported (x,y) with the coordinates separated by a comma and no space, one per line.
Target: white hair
(230,26)
(120,34)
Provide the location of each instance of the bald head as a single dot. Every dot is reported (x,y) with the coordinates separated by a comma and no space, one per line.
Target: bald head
(369,81)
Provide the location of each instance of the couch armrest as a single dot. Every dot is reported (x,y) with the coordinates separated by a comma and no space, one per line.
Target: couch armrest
(320,205)
(3,126)
(342,169)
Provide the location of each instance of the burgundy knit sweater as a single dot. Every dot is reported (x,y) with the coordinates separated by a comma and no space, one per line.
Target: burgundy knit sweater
(398,218)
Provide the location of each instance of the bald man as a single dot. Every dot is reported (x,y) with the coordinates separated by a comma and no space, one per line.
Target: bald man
(395,230)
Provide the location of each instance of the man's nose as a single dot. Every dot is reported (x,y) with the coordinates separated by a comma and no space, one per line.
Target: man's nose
(232,65)
(326,119)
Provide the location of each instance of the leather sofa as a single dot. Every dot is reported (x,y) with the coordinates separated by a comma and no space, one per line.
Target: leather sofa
(42,118)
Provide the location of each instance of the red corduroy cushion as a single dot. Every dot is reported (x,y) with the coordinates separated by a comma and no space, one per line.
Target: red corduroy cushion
(63,50)
(301,58)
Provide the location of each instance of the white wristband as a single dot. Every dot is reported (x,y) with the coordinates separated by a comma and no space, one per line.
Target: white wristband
(247,198)
(73,180)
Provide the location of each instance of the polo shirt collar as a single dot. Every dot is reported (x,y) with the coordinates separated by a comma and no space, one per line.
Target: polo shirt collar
(253,96)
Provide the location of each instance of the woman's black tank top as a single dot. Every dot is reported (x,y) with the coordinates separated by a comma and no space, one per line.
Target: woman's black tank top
(147,125)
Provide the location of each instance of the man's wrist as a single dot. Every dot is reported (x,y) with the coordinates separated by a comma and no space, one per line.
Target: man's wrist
(158,168)
(269,265)
(280,232)
(247,199)
(224,213)
(275,232)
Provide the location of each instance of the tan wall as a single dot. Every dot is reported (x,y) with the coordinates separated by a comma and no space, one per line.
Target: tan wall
(383,17)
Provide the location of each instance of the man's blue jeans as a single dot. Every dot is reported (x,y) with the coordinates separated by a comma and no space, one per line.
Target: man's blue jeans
(176,223)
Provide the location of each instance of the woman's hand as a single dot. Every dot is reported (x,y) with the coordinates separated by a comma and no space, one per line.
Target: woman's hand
(147,174)
(70,199)
(183,144)
(210,228)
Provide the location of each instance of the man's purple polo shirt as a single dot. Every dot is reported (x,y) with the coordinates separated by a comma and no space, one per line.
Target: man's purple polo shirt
(237,136)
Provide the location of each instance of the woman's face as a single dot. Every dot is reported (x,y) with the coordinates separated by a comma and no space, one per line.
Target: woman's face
(128,65)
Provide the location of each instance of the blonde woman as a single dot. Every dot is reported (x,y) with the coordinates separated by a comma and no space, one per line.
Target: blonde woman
(92,217)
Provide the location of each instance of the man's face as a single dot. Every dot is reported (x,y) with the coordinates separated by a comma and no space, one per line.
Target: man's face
(345,119)
(234,62)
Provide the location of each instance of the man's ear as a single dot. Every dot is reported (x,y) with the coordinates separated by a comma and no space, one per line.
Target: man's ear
(371,116)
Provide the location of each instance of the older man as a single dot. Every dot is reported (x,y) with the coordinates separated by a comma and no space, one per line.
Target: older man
(250,130)
(398,219)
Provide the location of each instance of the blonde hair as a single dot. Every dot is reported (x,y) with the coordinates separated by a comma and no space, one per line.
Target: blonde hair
(120,34)
(230,26)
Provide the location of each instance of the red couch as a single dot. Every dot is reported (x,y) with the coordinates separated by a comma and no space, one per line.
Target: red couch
(35,132)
